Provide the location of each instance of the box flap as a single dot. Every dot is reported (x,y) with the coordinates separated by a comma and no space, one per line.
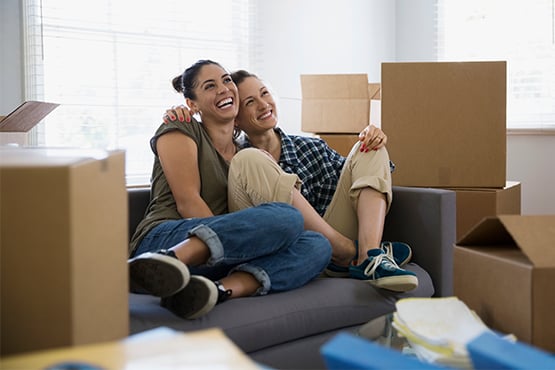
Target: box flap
(26,116)
(489,231)
(374,91)
(334,86)
(534,235)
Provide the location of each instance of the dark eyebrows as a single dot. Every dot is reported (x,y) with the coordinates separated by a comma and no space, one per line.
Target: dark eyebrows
(247,99)
(211,80)
(251,97)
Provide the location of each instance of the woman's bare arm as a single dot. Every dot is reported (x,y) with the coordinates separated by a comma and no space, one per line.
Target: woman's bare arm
(178,157)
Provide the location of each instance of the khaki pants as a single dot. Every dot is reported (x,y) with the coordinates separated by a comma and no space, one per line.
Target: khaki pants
(255,178)
(361,170)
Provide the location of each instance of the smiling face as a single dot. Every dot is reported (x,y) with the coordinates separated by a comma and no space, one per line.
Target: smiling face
(257,109)
(216,95)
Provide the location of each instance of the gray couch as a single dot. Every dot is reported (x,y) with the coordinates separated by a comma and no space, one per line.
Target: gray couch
(286,330)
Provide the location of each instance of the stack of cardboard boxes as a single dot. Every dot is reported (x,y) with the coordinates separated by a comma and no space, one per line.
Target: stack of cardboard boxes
(446,127)
(338,107)
(445,123)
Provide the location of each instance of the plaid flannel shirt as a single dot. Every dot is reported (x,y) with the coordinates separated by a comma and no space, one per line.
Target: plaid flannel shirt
(317,165)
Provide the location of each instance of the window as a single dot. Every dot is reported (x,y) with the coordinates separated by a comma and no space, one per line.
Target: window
(109,63)
(520,32)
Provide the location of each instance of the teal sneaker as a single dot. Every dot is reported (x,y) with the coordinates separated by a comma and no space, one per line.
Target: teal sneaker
(400,252)
(380,270)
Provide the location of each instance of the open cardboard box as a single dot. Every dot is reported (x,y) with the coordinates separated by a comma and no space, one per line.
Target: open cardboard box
(504,270)
(474,204)
(337,103)
(14,126)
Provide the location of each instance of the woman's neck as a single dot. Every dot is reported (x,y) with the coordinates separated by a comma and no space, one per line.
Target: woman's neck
(221,135)
(269,140)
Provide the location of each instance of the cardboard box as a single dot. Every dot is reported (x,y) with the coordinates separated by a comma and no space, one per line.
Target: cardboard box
(446,123)
(341,143)
(474,204)
(63,248)
(504,270)
(14,126)
(336,103)
(159,348)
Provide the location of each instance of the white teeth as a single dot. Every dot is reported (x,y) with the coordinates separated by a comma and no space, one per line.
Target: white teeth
(265,115)
(224,102)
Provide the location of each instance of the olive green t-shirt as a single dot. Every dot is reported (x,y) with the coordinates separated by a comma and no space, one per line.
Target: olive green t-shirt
(213,169)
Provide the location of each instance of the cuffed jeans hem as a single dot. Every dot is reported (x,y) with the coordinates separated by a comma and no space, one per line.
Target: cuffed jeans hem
(260,275)
(209,237)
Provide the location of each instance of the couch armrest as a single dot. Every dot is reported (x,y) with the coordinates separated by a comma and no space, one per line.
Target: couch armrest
(138,203)
(425,218)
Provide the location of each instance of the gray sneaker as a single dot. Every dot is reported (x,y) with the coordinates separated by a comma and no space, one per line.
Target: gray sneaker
(160,274)
(197,299)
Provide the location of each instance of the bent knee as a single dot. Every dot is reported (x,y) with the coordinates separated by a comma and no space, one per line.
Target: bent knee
(321,247)
(287,211)
(248,155)
(285,214)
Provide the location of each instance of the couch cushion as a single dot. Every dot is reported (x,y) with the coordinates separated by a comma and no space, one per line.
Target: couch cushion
(324,304)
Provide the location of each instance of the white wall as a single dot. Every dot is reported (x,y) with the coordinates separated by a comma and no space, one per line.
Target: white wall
(416,31)
(530,160)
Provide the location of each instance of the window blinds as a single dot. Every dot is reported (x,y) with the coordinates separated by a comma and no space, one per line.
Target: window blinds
(109,63)
(520,32)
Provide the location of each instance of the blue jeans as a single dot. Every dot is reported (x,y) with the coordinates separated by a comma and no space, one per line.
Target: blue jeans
(267,241)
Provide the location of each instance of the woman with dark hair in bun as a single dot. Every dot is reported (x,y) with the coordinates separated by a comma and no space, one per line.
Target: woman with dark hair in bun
(189,249)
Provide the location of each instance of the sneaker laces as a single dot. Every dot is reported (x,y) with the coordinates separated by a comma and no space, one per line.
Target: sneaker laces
(387,247)
(385,260)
